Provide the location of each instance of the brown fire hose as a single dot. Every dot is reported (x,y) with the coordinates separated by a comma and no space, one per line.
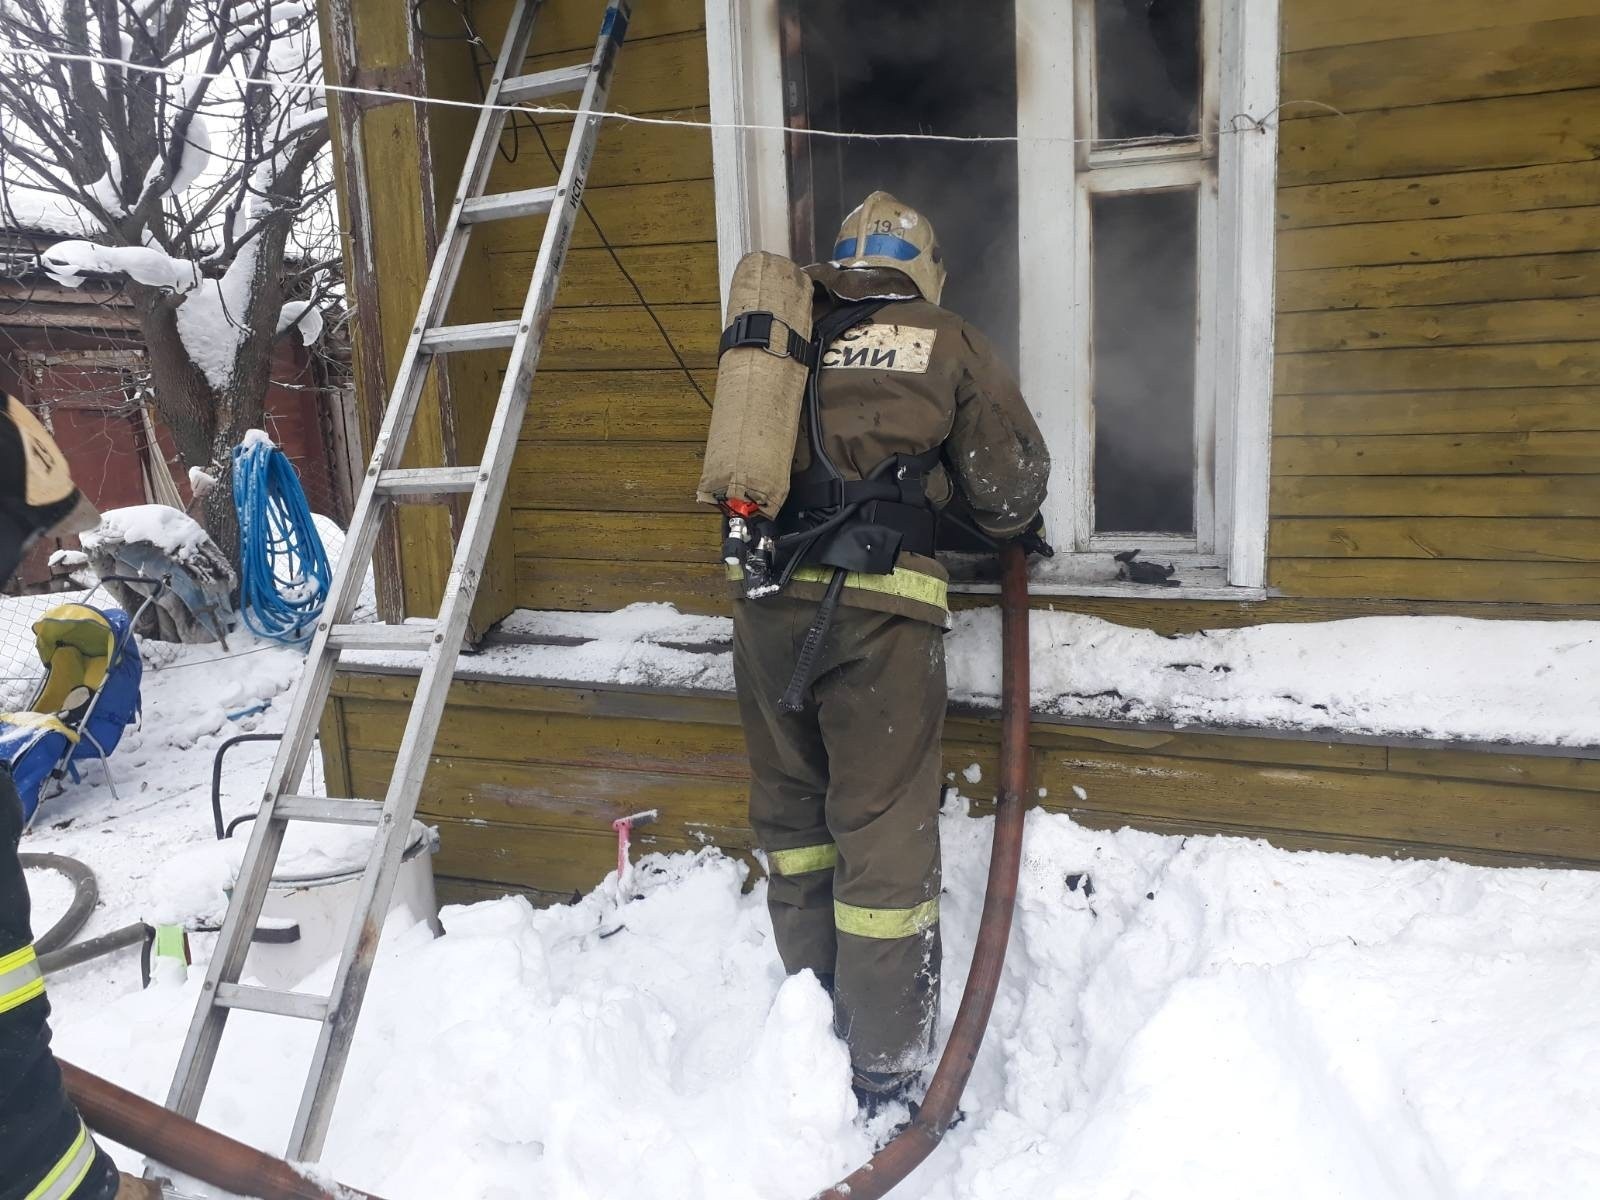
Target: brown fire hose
(167,1138)
(884,1171)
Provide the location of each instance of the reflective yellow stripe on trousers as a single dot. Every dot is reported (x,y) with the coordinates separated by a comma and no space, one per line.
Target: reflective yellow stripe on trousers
(69,1170)
(20,978)
(909,585)
(885,922)
(804,859)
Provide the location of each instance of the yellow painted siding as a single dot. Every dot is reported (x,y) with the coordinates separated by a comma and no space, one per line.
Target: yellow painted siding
(601,505)
(527,778)
(1437,421)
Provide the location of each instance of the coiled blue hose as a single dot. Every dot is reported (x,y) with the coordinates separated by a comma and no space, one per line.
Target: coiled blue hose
(283,569)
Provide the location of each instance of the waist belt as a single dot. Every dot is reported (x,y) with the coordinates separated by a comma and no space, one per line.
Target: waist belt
(831,493)
(893,499)
(901,479)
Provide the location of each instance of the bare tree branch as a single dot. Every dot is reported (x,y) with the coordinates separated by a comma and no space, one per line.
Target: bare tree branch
(208,160)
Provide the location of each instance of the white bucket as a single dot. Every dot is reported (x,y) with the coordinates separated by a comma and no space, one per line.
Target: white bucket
(306,914)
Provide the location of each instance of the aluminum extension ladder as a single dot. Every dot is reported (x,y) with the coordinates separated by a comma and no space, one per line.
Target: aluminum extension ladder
(439,640)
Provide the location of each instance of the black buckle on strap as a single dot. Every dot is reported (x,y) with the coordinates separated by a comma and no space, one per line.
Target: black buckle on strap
(753,330)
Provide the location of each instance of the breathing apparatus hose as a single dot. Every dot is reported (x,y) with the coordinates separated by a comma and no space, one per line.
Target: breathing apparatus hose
(885,1170)
(283,568)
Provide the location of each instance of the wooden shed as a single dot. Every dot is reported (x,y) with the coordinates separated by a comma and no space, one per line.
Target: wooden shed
(1377,228)
(76,357)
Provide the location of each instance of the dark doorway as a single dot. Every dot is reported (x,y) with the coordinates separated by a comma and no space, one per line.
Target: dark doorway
(911,66)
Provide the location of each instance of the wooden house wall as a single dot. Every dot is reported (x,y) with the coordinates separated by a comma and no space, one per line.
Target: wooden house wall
(1437,418)
(526,779)
(602,505)
(1437,423)
(1438,356)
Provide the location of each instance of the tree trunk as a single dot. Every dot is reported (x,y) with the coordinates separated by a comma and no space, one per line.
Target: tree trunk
(206,422)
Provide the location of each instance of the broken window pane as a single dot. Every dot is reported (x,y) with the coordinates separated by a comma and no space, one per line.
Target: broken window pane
(1144,361)
(913,66)
(1147,68)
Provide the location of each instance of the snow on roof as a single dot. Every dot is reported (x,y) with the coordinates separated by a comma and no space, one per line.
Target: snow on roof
(46,212)
(1433,677)
(1451,678)
(636,623)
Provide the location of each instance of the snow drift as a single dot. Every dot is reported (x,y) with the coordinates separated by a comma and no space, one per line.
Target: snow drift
(1198,1018)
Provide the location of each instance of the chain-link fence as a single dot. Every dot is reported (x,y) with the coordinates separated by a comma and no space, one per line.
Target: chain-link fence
(20,668)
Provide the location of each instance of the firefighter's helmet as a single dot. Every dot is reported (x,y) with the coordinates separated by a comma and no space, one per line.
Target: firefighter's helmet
(887,234)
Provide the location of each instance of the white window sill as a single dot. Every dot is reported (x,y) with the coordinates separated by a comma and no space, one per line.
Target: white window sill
(1095,575)
(1122,591)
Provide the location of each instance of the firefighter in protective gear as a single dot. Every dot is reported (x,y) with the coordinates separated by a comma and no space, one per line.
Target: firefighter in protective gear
(910,410)
(46,1152)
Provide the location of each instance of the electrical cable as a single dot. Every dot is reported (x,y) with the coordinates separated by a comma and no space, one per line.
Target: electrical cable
(283,569)
(632,282)
(1253,124)
(210,662)
(513,126)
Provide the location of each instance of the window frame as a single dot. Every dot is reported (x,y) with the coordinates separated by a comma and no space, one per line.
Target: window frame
(1175,166)
(1227,557)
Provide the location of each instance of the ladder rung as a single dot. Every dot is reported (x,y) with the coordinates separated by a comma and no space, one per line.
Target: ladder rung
(328,810)
(502,206)
(270,1000)
(416,635)
(485,335)
(428,481)
(545,83)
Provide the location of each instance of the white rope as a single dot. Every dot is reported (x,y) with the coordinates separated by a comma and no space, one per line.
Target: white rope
(1252,124)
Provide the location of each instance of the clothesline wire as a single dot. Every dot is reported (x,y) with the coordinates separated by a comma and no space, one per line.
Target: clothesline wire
(1239,123)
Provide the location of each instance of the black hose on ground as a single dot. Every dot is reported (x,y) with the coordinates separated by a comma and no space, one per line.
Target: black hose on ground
(91,948)
(86,894)
(216,778)
(53,946)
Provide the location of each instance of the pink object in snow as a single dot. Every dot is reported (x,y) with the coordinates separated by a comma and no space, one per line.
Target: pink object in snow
(624,827)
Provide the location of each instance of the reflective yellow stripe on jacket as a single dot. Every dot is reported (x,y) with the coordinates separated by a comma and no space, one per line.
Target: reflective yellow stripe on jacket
(885,922)
(907,584)
(20,978)
(803,860)
(70,1168)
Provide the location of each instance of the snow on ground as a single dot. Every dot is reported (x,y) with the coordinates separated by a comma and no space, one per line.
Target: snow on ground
(50,894)
(1200,1018)
(1204,1018)
(195,697)
(1438,677)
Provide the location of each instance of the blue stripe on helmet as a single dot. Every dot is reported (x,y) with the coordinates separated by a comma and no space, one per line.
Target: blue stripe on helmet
(879,245)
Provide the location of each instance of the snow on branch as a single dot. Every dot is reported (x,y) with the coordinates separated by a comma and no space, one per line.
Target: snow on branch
(181,148)
(191,172)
